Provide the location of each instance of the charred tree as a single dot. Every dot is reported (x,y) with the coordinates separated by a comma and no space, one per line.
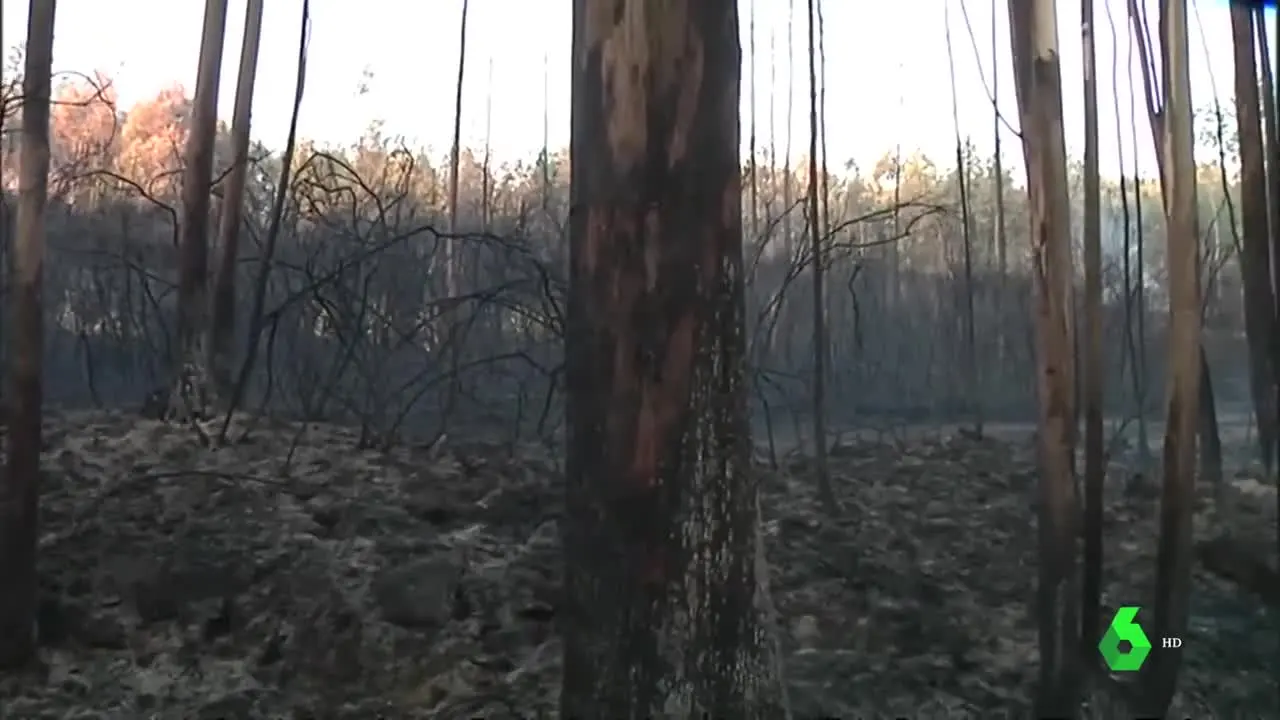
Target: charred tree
(190,395)
(19,483)
(1255,261)
(1037,79)
(224,284)
(663,610)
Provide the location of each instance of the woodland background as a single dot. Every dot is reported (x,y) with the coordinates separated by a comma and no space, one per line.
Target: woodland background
(919,253)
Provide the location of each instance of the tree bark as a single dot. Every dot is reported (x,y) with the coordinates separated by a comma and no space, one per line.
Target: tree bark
(817,257)
(190,395)
(224,292)
(1094,360)
(19,483)
(1173,563)
(1255,263)
(663,610)
(1037,76)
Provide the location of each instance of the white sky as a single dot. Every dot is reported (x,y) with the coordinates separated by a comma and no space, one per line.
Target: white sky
(887,77)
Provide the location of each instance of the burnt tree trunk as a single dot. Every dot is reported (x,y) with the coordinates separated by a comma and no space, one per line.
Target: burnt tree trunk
(19,509)
(663,612)
(1255,263)
(192,384)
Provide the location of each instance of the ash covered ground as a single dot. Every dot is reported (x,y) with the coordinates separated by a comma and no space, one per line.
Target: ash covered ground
(185,582)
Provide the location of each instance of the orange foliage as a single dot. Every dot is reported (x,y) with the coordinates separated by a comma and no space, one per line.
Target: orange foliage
(151,141)
(82,126)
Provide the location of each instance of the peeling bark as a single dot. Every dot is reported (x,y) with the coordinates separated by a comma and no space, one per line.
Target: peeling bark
(1037,75)
(663,614)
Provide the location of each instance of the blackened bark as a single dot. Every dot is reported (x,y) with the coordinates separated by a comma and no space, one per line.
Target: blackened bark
(661,615)
(1259,304)
(19,481)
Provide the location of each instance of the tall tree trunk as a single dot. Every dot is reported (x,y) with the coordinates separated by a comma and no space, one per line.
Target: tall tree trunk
(20,477)
(192,384)
(1093,369)
(973,396)
(486,181)
(257,317)
(1255,263)
(1211,455)
(753,174)
(452,262)
(1135,347)
(1186,363)
(817,259)
(455,157)
(788,189)
(224,293)
(1002,237)
(661,530)
(1037,78)
(1272,126)
(546,135)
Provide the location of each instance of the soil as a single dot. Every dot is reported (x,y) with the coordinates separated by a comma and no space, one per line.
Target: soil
(252,581)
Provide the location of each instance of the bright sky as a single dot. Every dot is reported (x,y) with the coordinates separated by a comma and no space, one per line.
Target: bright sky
(887,69)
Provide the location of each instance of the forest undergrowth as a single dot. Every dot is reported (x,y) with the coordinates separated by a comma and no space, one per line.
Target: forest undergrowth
(185,582)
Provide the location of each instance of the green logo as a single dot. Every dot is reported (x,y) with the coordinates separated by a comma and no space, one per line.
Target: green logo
(1124,629)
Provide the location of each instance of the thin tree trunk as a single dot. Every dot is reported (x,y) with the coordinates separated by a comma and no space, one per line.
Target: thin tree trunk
(816,242)
(661,537)
(1140,300)
(973,397)
(546,135)
(752,170)
(224,293)
(451,260)
(1002,236)
(257,317)
(192,384)
(1094,361)
(788,227)
(1037,77)
(1131,346)
(486,186)
(455,155)
(20,476)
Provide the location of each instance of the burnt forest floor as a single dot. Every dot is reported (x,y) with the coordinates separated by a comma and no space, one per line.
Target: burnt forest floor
(184,582)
